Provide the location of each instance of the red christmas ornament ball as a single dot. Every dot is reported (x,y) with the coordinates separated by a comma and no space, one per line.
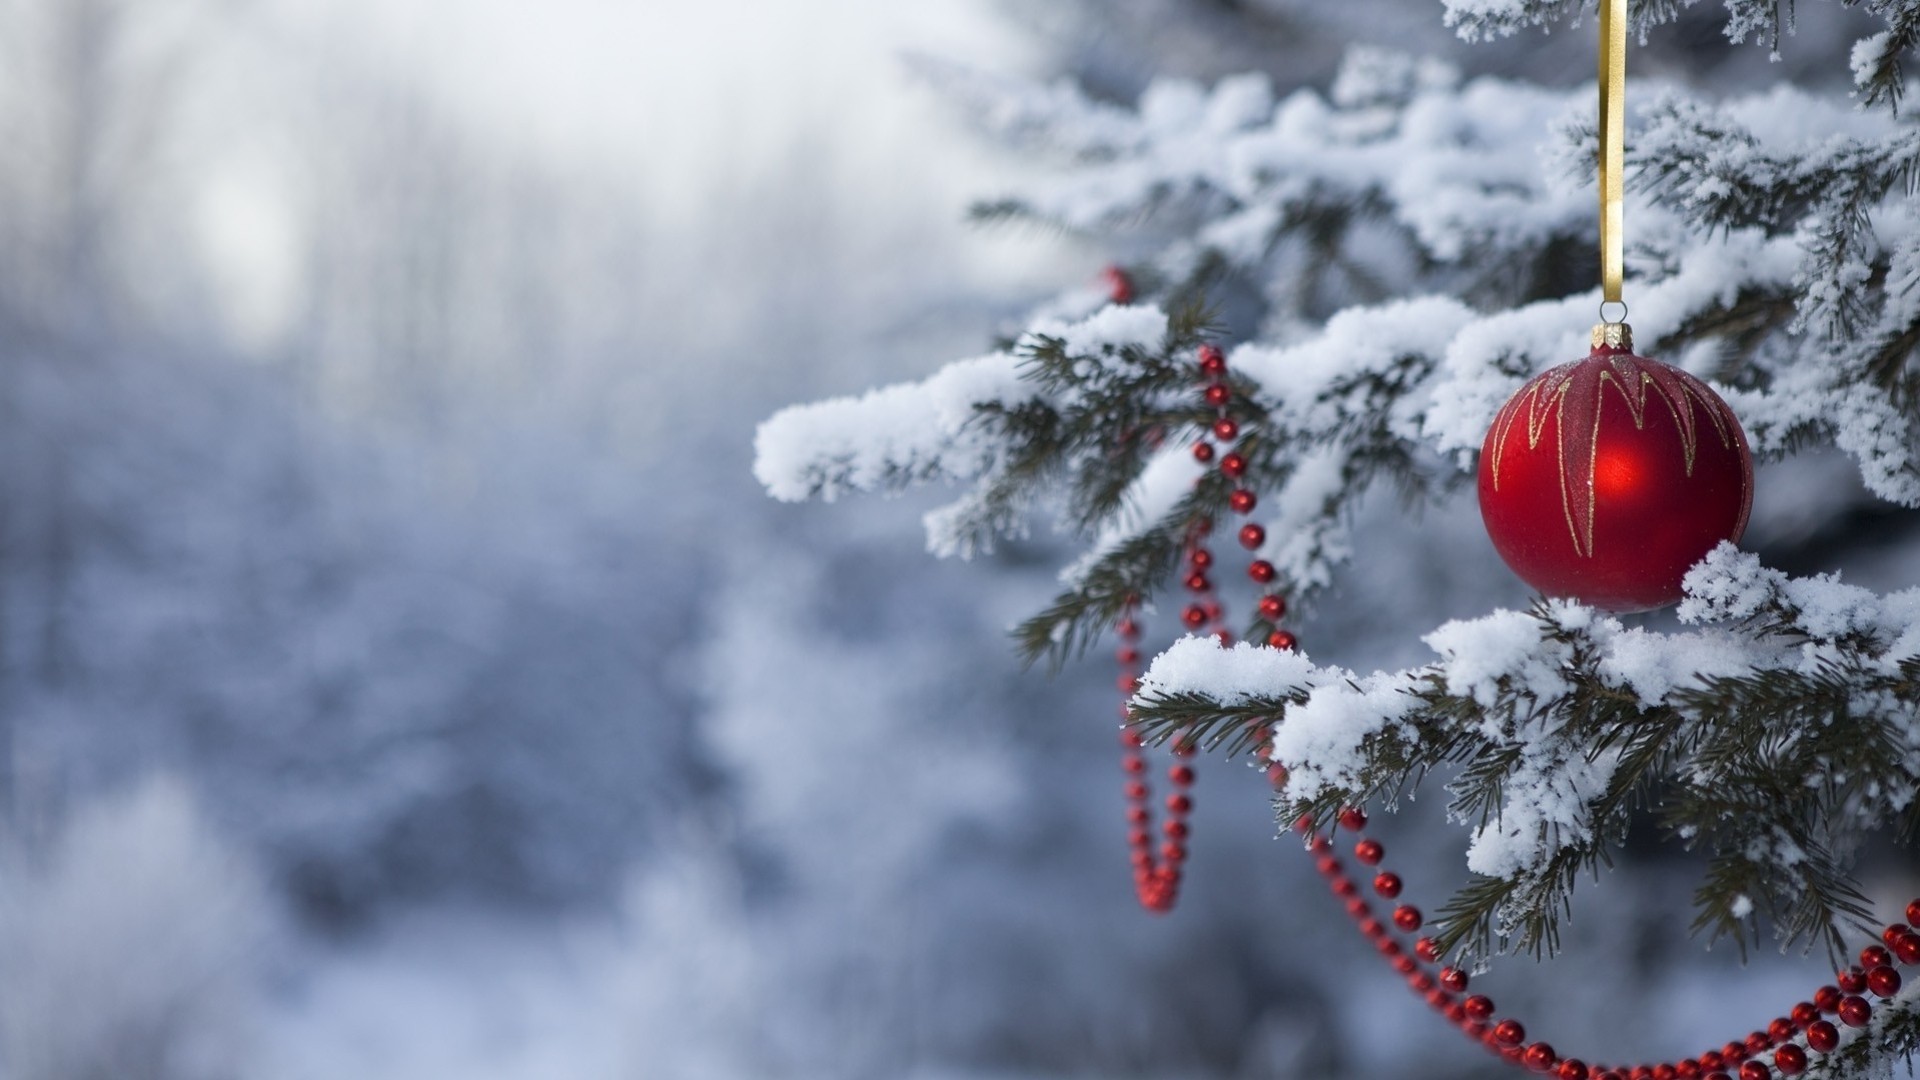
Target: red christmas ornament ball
(1605,480)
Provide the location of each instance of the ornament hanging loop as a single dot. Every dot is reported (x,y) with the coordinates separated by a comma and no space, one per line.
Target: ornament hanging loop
(1617,336)
(1613,123)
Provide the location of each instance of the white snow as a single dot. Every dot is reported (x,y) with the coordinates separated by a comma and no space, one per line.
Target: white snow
(1478,19)
(1544,807)
(1293,379)
(873,442)
(1109,328)
(1867,55)
(1321,741)
(1498,654)
(1654,665)
(1730,585)
(1230,676)
(896,436)
(1305,542)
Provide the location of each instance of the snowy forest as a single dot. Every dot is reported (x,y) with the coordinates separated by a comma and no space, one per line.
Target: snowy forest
(404,673)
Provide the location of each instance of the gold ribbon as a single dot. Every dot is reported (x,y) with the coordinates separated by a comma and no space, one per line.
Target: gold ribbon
(1613,124)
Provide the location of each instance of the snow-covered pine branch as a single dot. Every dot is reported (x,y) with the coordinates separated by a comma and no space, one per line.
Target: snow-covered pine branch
(1415,248)
(1737,234)
(1776,734)
(1733,254)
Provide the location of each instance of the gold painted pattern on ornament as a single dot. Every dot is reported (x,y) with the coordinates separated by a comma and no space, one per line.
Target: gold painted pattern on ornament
(1546,398)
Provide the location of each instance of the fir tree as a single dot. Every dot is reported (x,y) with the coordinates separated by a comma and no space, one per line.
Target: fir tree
(1390,259)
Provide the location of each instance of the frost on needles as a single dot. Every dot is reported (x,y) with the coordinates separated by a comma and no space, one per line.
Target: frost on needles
(1419,246)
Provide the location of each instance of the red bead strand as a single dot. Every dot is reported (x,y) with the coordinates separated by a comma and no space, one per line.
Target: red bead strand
(1157,871)
(1156,880)
(1784,1049)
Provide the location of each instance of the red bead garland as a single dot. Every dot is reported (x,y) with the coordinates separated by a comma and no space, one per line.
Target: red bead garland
(1760,1056)
(1157,873)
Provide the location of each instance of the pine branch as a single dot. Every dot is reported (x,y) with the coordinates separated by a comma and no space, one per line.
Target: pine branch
(1123,578)
(1777,766)
(1491,916)
(1196,719)
(1876,60)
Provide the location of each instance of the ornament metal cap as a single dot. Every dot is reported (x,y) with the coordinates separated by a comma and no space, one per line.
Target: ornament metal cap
(1613,335)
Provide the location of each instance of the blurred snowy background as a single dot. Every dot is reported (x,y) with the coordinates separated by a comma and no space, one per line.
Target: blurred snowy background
(401,674)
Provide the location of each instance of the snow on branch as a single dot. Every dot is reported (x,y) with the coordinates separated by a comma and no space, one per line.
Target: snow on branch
(1478,20)
(898,436)
(887,439)
(1562,720)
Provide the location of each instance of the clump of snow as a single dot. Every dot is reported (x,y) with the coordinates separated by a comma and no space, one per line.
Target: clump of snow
(1230,676)
(1245,236)
(1788,119)
(1321,741)
(886,437)
(1654,665)
(1113,327)
(1545,806)
(1728,584)
(911,433)
(1295,379)
(1498,654)
(1826,608)
(1868,54)
(1239,102)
